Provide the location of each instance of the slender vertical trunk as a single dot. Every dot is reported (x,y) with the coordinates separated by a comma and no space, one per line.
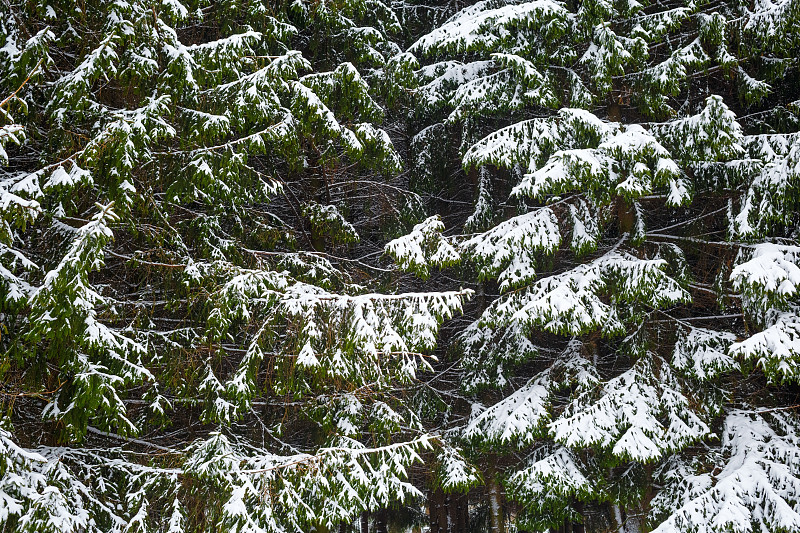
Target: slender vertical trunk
(461,511)
(578,507)
(452,512)
(626,216)
(614,111)
(496,519)
(645,505)
(381,521)
(618,518)
(432,516)
(437,511)
(365,522)
(441,511)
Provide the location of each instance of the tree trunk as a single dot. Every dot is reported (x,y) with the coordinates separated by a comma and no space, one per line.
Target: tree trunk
(365,522)
(618,517)
(459,512)
(626,216)
(496,518)
(381,521)
(614,111)
(432,521)
(437,511)
(452,512)
(579,508)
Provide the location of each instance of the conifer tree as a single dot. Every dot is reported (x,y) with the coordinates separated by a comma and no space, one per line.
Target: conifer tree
(236,235)
(191,340)
(634,171)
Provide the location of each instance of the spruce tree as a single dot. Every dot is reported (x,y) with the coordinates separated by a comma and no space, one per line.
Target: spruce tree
(236,236)
(196,333)
(633,239)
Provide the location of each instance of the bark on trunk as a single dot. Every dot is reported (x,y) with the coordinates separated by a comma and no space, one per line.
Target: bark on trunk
(437,511)
(496,518)
(381,521)
(365,522)
(459,512)
(618,518)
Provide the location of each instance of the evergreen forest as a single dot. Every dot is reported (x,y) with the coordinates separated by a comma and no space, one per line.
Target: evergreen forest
(399,266)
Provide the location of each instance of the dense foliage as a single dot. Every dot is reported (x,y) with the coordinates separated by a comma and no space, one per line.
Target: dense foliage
(313,266)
